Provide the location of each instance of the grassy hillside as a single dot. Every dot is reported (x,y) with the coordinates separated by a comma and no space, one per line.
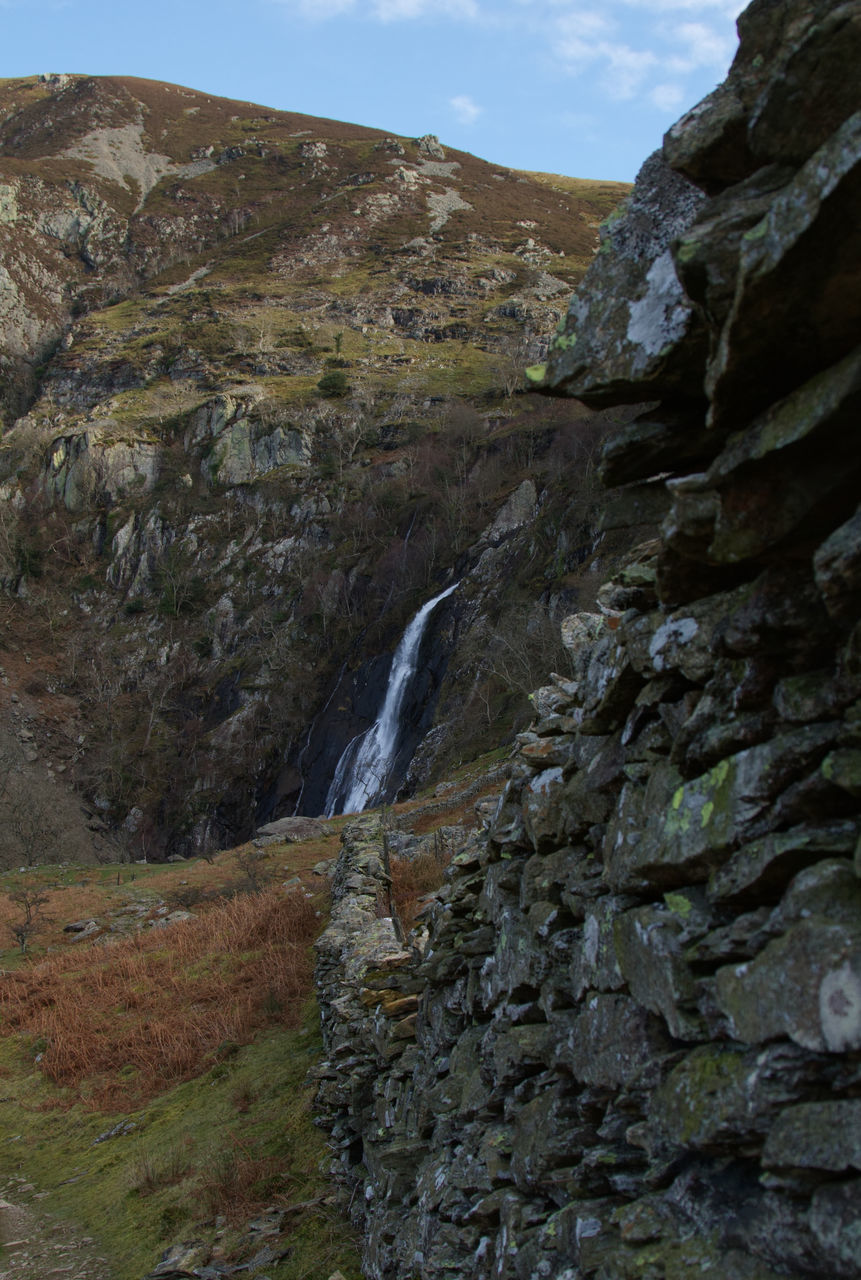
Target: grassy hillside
(154,1073)
(154,1060)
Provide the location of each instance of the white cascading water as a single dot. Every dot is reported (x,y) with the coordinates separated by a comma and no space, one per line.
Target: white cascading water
(363,769)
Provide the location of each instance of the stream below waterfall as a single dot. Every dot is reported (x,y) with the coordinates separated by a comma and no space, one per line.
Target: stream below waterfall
(363,770)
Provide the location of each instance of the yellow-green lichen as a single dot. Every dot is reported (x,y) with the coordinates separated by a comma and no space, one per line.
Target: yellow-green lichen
(686,250)
(564,342)
(757,232)
(678,904)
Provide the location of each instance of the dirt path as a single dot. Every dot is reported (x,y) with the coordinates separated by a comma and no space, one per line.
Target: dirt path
(36,1247)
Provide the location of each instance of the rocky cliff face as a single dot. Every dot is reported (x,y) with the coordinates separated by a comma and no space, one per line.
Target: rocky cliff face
(630,1044)
(258,383)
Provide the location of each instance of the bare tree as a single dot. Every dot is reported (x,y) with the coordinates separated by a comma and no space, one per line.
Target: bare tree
(511,361)
(31,899)
(28,830)
(8,544)
(349,432)
(30,821)
(256,876)
(525,646)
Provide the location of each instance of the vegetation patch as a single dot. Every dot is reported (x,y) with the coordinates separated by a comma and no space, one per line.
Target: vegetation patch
(159,1004)
(172,1103)
(196,1163)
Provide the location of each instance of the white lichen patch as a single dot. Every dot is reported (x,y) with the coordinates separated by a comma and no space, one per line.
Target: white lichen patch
(545,780)
(840,1009)
(677,631)
(661,316)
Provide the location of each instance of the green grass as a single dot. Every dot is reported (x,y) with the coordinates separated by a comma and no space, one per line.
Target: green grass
(144,1190)
(223,1145)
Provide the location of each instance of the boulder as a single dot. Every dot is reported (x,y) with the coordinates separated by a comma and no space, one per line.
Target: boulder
(631,333)
(292,829)
(787,263)
(821,964)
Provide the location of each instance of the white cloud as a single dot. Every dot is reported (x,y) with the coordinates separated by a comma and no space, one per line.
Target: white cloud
(583,39)
(625,50)
(583,24)
(627,69)
(383,10)
(706,47)
(635,49)
(393,10)
(466,111)
(667,97)
(319,9)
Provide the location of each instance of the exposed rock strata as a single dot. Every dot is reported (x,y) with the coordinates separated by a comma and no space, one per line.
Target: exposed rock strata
(636,1050)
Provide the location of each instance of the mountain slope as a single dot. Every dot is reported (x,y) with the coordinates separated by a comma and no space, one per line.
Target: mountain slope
(259,377)
(108,182)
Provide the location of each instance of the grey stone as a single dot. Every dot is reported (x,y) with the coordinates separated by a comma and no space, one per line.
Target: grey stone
(837,568)
(635,504)
(821,964)
(650,956)
(828,888)
(518,510)
(709,143)
(666,439)
(720,1096)
(631,333)
(771,476)
(809,94)
(836,1225)
(683,834)
(595,964)
(786,264)
(292,829)
(609,1043)
(762,869)
(706,256)
(816,1135)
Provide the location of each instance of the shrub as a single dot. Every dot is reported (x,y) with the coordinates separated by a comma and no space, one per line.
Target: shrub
(333,384)
(202,646)
(28,554)
(237,1183)
(414,880)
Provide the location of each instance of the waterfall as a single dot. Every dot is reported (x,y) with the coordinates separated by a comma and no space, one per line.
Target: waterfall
(363,769)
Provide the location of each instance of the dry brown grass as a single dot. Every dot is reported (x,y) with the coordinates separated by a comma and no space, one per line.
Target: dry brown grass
(239,1183)
(123,1023)
(413,881)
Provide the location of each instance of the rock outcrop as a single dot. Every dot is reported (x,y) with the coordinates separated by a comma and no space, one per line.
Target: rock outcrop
(636,1046)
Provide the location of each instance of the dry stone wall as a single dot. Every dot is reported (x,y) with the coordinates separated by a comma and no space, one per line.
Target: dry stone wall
(635,1049)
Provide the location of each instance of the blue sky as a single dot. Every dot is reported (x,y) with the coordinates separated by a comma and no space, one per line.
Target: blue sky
(568,86)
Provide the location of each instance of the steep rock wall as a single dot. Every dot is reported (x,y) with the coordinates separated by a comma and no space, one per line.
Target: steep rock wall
(637,1043)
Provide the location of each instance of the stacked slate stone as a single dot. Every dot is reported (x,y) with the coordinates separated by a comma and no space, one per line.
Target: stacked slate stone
(638,1049)
(368,996)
